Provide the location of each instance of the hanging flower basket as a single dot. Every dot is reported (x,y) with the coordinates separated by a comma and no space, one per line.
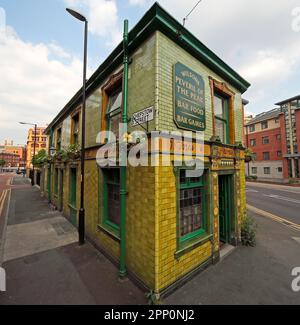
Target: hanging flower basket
(248,159)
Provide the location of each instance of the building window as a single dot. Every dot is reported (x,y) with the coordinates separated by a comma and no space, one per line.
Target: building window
(58,139)
(252,142)
(73,187)
(279,153)
(266,156)
(276,120)
(75,129)
(111,199)
(192,216)
(221,118)
(254,156)
(267,170)
(264,125)
(252,128)
(279,169)
(254,170)
(265,140)
(56,181)
(113,114)
(278,137)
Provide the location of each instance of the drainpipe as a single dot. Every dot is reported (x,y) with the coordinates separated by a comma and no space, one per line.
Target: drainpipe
(123,188)
(49,178)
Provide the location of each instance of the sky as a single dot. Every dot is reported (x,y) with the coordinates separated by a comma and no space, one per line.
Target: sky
(41,49)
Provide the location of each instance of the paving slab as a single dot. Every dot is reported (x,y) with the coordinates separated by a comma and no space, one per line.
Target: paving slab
(38,236)
(249,276)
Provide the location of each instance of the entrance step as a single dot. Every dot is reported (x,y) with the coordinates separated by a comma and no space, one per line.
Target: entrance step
(226,250)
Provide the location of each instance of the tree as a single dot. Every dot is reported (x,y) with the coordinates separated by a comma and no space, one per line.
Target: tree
(40,158)
(2,163)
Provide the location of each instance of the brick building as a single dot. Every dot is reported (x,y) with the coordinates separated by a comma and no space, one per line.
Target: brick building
(174,225)
(41,143)
(12,160)
(17,150)
(9,148)
(290,131)
(274,137)
(263,137)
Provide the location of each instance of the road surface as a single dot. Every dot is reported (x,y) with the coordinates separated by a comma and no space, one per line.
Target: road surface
(279,200)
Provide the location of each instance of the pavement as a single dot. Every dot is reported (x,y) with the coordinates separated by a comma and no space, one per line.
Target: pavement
(5,187)
(279,200)
(44,264)
(249,276)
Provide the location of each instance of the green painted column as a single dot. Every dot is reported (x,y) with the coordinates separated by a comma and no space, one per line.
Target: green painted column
(123,171)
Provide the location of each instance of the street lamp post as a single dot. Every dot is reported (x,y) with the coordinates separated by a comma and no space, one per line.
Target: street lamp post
(81,223)
(34,147)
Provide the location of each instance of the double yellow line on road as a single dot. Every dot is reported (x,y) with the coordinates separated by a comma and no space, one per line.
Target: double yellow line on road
(271,216)
(2,200)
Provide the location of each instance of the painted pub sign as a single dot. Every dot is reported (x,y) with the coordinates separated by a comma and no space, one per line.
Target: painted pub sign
(189,99)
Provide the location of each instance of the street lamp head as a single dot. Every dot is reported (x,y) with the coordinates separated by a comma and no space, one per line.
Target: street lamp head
(25,123)
(76,14)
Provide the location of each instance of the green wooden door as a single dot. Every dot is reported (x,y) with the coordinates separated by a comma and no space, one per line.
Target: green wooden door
(49,183)
(73,194)
(61,190)
(225,203)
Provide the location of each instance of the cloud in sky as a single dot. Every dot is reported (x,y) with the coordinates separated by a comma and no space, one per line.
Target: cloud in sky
(34,83)
(137,2)
(255,37)
(103,18)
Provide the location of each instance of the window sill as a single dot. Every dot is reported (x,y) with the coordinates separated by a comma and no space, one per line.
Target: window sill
(190,245)
(109,232)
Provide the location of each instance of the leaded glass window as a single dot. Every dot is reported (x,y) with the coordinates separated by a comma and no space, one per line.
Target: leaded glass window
(191,206)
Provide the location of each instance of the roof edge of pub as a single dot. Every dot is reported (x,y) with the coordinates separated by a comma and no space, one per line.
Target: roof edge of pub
(155,19)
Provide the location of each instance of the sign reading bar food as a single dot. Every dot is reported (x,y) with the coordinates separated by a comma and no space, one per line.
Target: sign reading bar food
(189,99)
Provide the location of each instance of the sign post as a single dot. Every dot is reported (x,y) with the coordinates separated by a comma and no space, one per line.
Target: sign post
(189,99)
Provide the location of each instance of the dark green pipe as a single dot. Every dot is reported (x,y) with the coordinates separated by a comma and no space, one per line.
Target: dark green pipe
(49,178)
(123,188)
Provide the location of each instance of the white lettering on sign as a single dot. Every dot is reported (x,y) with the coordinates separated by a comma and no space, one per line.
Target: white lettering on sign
(144,116)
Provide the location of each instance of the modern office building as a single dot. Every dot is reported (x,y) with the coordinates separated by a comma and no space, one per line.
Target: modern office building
(263,137)
(290,131)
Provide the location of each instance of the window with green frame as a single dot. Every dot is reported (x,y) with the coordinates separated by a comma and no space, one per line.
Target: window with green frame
(221,118)
(75,129)
(113,114)
(73,187)
(111,199)
(58,139)
(56,181)
(192,207)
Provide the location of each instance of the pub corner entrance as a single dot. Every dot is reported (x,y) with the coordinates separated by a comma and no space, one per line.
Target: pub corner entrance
(226,207)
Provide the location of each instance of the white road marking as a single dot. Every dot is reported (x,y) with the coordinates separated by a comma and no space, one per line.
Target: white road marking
(271,216)
(280,188)
(251,191)
(278,197)
(297,239)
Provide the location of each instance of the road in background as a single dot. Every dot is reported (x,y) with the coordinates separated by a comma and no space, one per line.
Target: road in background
(283,201)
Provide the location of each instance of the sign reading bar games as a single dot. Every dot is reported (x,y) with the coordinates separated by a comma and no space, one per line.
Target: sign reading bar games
(189,99)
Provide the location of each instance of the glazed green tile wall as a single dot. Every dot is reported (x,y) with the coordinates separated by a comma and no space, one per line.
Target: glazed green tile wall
(93,117)
(141,84)
(169,53)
